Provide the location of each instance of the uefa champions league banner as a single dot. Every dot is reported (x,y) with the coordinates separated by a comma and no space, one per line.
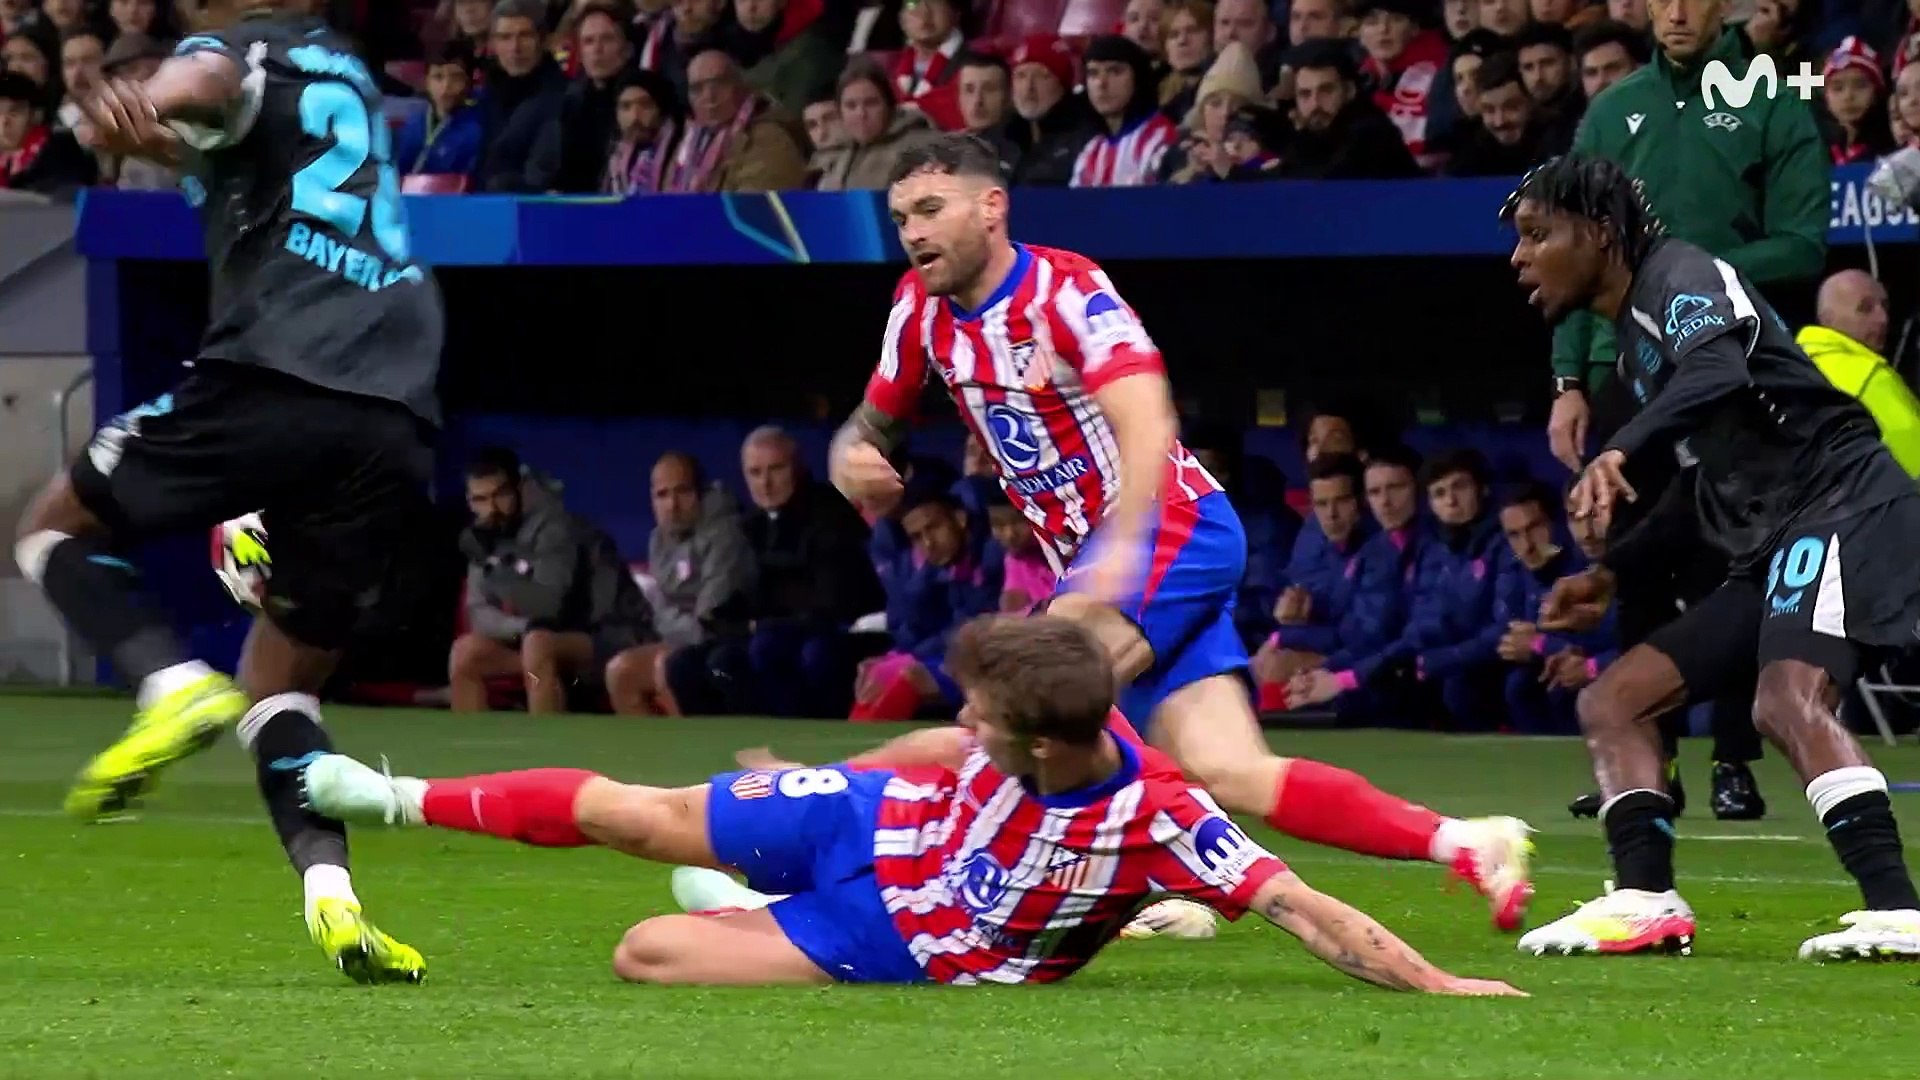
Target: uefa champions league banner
(1280,220)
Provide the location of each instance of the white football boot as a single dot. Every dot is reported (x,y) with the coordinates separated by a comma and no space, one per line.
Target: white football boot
(1620,921)
(1869,935)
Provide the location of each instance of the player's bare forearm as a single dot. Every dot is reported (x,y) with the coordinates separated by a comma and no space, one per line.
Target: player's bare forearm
(871,425)
(1140,410)
(946,747)
(186,86)
(1344,937)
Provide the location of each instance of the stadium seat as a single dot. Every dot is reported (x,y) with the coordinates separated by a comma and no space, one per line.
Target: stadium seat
(434,184)
(1091,18)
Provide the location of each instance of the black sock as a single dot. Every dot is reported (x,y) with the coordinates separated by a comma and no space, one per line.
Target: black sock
(1639,828)
(99,595)
(282,745)
(1867,839)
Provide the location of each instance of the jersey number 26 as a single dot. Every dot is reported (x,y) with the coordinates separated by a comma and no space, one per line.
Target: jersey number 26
(336,109)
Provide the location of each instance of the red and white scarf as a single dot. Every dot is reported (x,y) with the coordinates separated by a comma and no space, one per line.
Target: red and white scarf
(639,170)
(18,162)
(910,80)
(1406,89)
(696,161)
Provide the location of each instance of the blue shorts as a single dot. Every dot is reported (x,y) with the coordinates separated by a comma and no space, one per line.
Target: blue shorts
(1194,561)
(808,833)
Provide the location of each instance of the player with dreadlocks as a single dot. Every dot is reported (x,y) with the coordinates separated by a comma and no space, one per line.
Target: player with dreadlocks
(1815,514)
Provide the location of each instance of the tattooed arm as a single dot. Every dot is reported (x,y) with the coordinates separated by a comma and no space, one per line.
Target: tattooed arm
(1351,941)
(857,461)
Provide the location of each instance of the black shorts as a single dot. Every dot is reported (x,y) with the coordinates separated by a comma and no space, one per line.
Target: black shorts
(341,482)
(1835,594)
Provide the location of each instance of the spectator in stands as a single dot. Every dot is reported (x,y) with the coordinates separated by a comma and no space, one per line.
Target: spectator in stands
(468,21)
(786,72)
(1504,17)
(155,18)
(570,155)
(1134,134)
(82,52)
(1050,124)
(1784,29)
(984,92)
(31,55)
(874,132)
(58,18)
(447,136)
(1258,491)
(1606,52)
(672,42)
(923,71)
(1545,52)
(699,569)
(1230,85)
(1572,14)
(1456,115)
(1186,52)
(1404,65)
(548,597)
(1140,23)
(1507,142)
(1340,134)
(1309,612)
(822,119)
(1249,23)
(14,15)
(1631,12)
(34,158)
(1459,18)
(1905,111)
(813,578)
(524,85)
(648,120)
(736,139)
(1367,675)
(1545,670)
(954,573)
(1026,577)
(1855,95)
(1453,631)
(1312,20)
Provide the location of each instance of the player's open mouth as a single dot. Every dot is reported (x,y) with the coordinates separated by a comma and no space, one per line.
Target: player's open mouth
(925,259)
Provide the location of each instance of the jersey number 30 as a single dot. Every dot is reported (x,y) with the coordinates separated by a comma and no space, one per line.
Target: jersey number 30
(336,109)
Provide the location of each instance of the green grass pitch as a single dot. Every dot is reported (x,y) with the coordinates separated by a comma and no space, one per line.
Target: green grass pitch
(173,947)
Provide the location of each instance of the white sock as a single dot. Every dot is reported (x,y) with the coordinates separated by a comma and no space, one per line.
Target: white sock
(1830,789)
(167,680)
(326,882)
(1452,837)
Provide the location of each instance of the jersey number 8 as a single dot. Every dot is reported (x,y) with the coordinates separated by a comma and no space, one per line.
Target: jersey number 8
(799,783)
(336,109)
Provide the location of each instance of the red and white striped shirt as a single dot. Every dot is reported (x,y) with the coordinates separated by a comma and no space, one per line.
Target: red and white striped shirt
(1024,370)
(1129,159)
(988,882)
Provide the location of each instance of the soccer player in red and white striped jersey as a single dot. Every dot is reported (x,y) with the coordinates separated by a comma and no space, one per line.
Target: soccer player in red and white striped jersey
(1056,376)
(1018,867)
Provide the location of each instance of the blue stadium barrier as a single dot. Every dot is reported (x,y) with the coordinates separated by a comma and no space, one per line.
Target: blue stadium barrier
(1234,221)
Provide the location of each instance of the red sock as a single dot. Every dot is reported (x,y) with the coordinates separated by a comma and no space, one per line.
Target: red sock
(533,806)
(1331,806)
(1273,697)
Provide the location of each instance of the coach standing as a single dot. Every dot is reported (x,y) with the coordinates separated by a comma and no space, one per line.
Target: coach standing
(1749,183)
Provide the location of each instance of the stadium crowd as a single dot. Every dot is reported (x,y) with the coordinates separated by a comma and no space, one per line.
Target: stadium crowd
(606,96)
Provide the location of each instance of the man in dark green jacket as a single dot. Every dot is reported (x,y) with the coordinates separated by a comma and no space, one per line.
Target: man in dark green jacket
(1749,183)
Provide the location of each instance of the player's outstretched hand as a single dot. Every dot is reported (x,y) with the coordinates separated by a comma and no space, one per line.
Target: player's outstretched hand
(1456,986)
(119,119)
(1601,484)
(864,475)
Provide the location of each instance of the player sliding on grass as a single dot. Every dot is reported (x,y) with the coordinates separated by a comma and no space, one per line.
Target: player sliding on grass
(1795,484)
(1016,868)
(1056,376)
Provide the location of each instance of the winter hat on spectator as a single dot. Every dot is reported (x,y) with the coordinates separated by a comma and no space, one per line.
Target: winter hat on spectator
(1855,53)
(128,48)
(658,87)
(1233,73)
(1050,51)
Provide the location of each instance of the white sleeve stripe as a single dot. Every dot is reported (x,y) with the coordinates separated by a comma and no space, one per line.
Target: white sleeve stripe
(1743,306)
(890,343)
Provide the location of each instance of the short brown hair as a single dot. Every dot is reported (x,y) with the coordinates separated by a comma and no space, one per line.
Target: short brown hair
(1045,676)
